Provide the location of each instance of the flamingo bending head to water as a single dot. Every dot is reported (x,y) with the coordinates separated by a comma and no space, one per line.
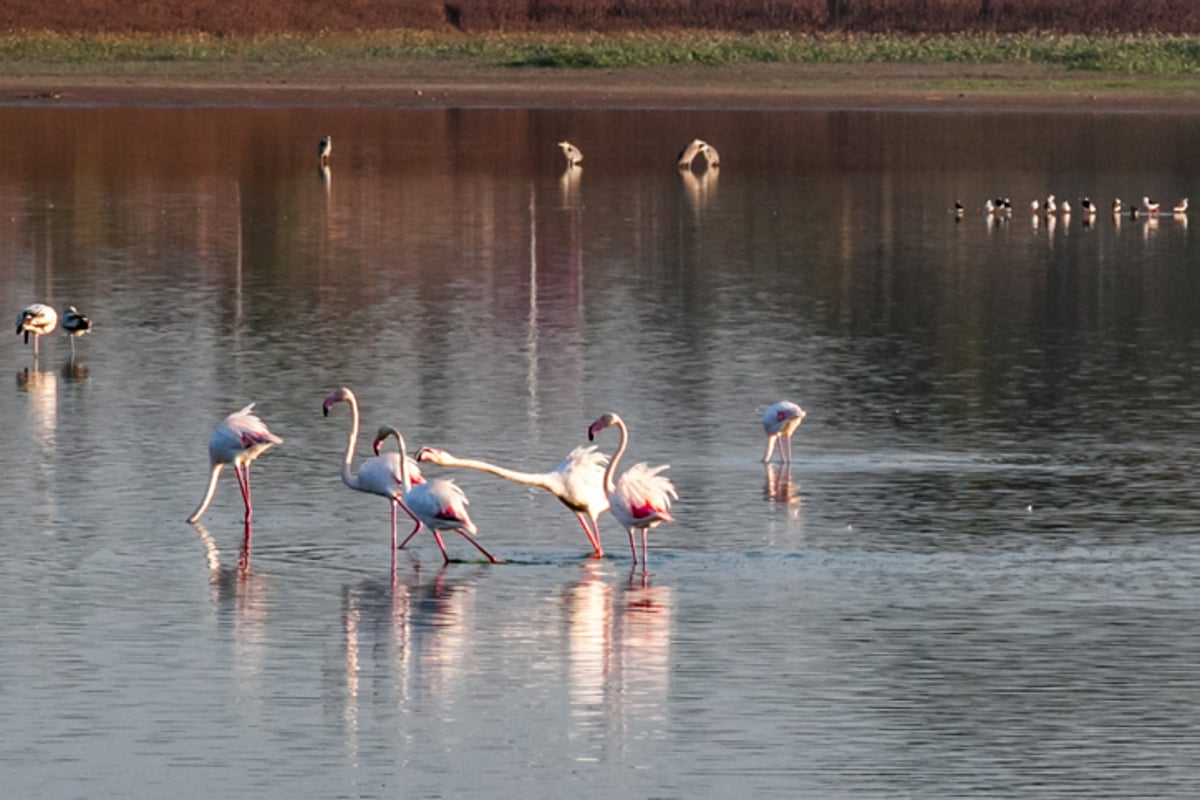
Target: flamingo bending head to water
(642,497)
(239,439)
(780,422)
(38,319)
(570,152)
(379,475)
(438,504)
(578,482)
(698,147)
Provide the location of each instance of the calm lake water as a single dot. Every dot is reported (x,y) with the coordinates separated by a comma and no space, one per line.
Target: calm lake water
(979,579)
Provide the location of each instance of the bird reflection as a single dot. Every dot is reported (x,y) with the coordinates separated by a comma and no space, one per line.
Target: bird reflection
(71,371)
(211,554)
(417,630)
(240,599)
(701,189)
(568,187)
(42,388)
(778,487)
(326,177)
(619,647)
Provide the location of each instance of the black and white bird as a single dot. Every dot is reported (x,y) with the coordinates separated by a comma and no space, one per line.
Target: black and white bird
(38,319)
(1150,206)
(324,148)
(1088,206)
(570,152)
(75,325)
(1181,207)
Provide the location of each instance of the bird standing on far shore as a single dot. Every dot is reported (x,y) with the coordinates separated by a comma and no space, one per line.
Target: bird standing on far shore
(324,149)
(572,153)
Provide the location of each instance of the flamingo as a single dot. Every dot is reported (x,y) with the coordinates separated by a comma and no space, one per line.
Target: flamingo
(38,319)
(642,497)
(1088,206)
(75,325)
(698,147)
(572,153)
(1050,206)
(239,440)
(1150,206)
(378,475)
(324,149)
(578,482)
(1181,207)
(438,504)
(780,422)
(1116,206)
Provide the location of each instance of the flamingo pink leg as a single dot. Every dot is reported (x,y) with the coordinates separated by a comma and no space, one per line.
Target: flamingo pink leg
(415,530)
(441,545)
(770,448)
(645,559)
(593,536)
(632,546)
(394,503)
(243,479)
(478,546)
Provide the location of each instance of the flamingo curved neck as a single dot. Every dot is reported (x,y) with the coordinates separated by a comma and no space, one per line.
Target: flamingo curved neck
(609,484)
(405,478)
(208,493)
(348,477)
(540,480)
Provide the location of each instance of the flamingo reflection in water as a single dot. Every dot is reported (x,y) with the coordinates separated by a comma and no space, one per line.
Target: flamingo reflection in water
(778,486)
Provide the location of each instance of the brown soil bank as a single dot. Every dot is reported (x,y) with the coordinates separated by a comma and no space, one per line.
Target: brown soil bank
(309,16)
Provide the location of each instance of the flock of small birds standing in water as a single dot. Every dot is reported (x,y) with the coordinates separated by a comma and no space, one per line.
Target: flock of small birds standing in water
(586,481)
(1050,207)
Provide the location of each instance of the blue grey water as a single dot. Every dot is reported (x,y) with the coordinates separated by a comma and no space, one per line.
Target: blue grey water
(979,578)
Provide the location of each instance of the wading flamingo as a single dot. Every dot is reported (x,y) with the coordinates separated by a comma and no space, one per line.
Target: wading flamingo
(572,153)
(75,325)
(438,504)
(642,497)
(697,147)
(38,319)
(780,422)
(379,475)
(578,482)
(325,149)
(239,439)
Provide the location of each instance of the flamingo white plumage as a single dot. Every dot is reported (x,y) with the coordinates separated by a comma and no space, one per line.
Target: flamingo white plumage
(695,148)
(642,497)
(239,440)
(438,504)
(570,152)
(380,474)
(38,319)
(1181,207)
(780,421)
(75,325)
(578,482)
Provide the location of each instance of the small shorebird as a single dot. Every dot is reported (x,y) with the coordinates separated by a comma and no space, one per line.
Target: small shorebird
(572,153)
(1150,206)
(1049,206)
(1035,206)
(958,210)
(38,319)
(1181,207)
(1065,207)
(75,325)
(1116,206)
(1088,206)
(324,148)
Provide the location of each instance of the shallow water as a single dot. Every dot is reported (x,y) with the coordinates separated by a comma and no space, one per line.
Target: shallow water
(977,580)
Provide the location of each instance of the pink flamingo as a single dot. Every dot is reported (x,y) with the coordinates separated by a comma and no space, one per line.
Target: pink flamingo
(38,319)
(438,504)
(642,497)
(780,422)
(578,482)
(239,439)
(379,475)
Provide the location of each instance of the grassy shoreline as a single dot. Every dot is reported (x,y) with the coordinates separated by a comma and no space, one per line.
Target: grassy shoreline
(1120,54)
